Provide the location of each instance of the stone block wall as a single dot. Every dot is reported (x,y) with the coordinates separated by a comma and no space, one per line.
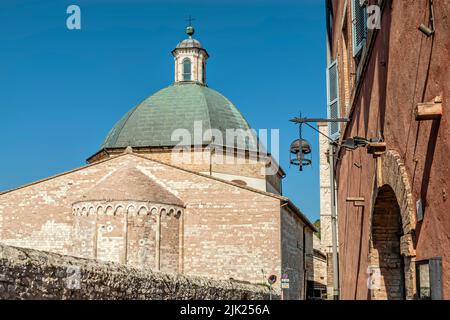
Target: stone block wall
(297,255)
(325,206)
(319,262)
(320,269)
(330,276)
(292,247)
(33,274)
(325,190)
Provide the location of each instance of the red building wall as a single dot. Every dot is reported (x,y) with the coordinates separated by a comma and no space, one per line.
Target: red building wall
(404,68)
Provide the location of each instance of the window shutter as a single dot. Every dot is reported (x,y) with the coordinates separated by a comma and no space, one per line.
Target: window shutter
(333,99)
(429,279)
(359,25)
(436,278)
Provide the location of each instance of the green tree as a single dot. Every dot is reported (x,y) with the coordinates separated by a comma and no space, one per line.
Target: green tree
(317,225)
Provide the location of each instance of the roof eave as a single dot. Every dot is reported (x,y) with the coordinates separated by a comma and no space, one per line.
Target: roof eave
(296,210)
(198,48)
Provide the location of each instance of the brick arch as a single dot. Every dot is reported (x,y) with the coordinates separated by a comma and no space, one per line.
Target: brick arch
(386,261)
(395,175)
(393,189)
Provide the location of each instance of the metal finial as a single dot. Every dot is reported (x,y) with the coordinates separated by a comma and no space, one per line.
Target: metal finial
(190,29)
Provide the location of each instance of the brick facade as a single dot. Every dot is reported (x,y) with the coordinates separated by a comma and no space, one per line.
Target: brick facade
(221,231)
(245,166)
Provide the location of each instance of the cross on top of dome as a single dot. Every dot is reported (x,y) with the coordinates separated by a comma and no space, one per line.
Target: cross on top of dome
(190,29)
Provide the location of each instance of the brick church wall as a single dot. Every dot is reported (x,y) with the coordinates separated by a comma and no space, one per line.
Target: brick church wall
(229,232)
(170,243)
(142,242)
(203,162)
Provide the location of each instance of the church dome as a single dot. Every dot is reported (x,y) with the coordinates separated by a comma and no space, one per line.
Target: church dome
(185,113)
(189,43)
(180,106)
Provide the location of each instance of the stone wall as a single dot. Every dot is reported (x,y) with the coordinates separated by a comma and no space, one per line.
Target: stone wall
(292,247)
(32,274)
(320,269)
(325,189)
(297,255)
(319,262)
(325,206)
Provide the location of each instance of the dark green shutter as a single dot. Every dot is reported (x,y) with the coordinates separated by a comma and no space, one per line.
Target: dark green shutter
(359,25)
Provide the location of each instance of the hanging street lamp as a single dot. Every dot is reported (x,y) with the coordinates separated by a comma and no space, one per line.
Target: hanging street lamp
(300,147)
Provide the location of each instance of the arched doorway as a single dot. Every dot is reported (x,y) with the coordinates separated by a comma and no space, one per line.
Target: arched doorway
(386,261)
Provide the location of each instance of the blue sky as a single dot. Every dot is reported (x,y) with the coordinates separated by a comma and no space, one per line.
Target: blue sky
(61,91)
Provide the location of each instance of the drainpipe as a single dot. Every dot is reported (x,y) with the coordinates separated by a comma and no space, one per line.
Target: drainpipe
(332,180)
(334,226)
(305,272)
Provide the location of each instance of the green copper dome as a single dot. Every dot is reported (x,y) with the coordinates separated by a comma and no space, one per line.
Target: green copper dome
(153,122)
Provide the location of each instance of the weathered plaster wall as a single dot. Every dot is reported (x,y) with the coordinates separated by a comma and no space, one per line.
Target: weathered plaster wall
(32,274)
(405,68)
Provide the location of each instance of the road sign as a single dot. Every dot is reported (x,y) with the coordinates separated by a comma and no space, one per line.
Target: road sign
(285,282)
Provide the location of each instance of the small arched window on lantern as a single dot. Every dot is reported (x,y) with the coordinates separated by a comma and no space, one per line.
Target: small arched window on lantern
(186,69)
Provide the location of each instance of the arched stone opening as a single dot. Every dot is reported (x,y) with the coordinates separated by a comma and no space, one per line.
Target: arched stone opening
(386,261)
(394,195)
